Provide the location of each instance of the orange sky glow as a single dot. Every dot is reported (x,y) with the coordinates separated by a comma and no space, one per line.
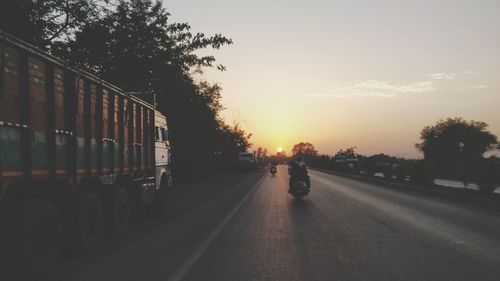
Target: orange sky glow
(362,73)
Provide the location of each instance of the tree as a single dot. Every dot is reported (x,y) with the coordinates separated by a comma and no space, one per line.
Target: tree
(259,156)
(264,155)
(454,141)
(259,152)
(304,148)
(348,153)
(42,22)
(320,161)
(486,173)
(136,47)
(345,160)
(279,157)
(421,172)
(230,141)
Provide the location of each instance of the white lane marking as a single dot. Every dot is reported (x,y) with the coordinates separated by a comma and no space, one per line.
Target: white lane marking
(179,274)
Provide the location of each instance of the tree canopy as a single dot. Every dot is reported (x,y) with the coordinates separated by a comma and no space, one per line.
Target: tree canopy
(43,22)
(348,153)
(305,149)
(455,141)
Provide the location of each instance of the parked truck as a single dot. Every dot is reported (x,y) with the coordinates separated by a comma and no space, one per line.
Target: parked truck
(76,155)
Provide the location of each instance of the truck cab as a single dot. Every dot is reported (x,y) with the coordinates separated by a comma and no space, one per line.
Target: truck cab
(162,152)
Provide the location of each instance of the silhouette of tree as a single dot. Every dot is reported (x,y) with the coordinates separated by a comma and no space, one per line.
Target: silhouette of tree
(320,161)
(259,152)
(230,141)
(486,173)
(304,148)
(41,22)
(454,141)
(265,158)
(348,153)
(279,157)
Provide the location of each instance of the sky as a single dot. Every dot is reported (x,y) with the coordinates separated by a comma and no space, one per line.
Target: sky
(363,73)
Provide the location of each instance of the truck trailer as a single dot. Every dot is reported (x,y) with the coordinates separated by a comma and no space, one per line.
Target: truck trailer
(76,155)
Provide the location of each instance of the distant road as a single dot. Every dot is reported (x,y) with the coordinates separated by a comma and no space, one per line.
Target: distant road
(344,230)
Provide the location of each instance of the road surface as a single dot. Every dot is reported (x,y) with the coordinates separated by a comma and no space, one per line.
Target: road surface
(344,230)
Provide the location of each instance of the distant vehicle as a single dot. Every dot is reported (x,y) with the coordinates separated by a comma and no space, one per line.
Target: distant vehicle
(273,170)
(246,159)
(76,155)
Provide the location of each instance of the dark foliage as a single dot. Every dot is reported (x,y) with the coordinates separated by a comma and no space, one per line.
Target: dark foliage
(401,172)
(456,149)
(454,141)
(486,173)
(42,22)
(421,173)
(321,161)
(305,149)
(387,170)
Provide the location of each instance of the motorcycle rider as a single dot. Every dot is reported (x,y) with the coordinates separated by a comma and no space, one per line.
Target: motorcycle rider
(273,167)
(298,171)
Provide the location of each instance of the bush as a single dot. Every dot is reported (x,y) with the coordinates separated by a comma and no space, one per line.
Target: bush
(400,172)
(339,167)
(486,174)
(387,171)
(421,173)
(367,166)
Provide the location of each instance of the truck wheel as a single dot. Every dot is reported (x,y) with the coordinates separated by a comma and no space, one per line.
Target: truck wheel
(88,222)
(117,210)
(34,239)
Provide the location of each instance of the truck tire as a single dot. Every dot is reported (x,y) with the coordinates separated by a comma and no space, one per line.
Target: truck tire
(33,239)
(87,225)
(116,210)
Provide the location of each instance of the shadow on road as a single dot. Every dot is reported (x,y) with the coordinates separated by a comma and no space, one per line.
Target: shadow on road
(300,210)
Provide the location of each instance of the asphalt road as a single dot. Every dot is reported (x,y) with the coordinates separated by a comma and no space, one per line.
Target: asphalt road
(344,230)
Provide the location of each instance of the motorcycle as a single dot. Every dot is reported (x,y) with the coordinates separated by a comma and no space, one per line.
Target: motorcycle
(299,189)
(273,170)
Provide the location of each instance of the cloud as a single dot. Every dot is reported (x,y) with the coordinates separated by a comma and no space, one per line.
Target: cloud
(475,87)
(441,76)
(385,89)
(468,72)
(375,88)
(478,87)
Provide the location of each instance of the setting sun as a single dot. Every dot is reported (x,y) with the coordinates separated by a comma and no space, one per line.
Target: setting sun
(279,149)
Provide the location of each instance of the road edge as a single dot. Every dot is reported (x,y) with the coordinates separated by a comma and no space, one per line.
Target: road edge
(191,260)
(490,201)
